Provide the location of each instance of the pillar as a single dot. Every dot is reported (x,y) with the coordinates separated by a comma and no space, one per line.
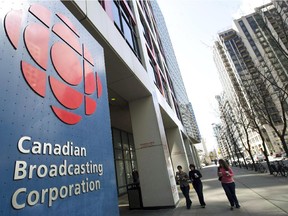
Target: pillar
(177,149)
(156,175)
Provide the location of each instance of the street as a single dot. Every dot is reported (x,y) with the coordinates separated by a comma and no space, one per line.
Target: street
(258,194)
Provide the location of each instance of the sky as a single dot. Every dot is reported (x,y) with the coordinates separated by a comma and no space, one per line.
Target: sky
(193,26)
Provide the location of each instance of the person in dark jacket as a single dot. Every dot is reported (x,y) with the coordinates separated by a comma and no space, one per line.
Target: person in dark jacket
(195,176)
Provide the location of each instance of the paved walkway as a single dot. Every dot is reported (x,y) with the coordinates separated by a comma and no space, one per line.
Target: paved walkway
(258,194)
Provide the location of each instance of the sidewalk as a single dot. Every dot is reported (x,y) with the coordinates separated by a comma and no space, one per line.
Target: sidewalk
(258,194)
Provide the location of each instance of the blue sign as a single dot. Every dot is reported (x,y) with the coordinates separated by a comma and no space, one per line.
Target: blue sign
(56,145)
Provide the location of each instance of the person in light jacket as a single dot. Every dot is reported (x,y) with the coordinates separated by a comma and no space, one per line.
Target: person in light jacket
(225,174)
(182,178)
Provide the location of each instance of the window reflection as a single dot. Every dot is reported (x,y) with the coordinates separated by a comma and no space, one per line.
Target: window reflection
(125,158)
(124,20)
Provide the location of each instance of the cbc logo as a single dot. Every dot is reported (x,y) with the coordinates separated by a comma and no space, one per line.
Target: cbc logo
(71,60)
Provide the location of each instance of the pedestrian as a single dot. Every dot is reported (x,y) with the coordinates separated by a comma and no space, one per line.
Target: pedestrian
(225,174)
(135,176)
(195,176)
(183,179)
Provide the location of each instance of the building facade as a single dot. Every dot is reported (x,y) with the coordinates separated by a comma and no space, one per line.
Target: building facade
(252,65)
(146,93)
(181,97)
(148,121)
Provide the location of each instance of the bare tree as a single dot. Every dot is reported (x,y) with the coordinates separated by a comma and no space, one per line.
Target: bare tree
(264,111)
(272,107)
(268,89)
(243,116)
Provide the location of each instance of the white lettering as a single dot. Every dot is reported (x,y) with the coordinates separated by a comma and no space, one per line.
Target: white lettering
(32,167)
(53,194)
(44,192)
(47,148)
(63,192)
(66,149)
(49,195)
(20,144)
(15,204)
(57,149)
(20,170)
(41,174)
(63,169)
(32,194)
(23,170)
(53,170)
(38,148)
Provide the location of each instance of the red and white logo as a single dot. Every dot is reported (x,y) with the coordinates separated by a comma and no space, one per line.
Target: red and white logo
(71,60)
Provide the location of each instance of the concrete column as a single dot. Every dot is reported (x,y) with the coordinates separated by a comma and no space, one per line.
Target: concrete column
(195,156)
(196,159)
(189,151)
(156,175)
(177,149)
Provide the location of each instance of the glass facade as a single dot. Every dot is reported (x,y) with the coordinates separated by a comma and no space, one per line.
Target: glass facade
(124,21)
(125,158)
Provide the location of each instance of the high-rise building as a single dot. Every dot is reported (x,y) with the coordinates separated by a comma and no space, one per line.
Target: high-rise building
(179,95)
(252,64)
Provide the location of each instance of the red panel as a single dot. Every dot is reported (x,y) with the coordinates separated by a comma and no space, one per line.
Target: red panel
(12,25)
(67,35)
(99,86)
(68,23)
(66,95)
(41,13)
(90,81)
(90,106)
(36,38)
(87,55)
(65,116)
(66,63)
(35,78)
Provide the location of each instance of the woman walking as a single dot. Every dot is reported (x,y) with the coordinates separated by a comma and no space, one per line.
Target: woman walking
(195,176)
(225,174)
(182,178)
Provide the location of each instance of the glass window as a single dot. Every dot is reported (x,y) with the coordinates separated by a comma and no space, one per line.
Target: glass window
(122,190)
(123,20)
(128,168)
(120,173)
(116,15)
(124,146)
(118,154)
(126,154)
(134,165)
(131,142)
(133,155)
(128,33)
(116,139)
(124,140)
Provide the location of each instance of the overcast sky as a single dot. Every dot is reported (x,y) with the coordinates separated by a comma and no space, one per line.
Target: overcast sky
(193,26)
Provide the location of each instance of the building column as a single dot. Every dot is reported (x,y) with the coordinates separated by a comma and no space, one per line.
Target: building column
(156,175)
(177,148)
(189,151)
(196,158)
